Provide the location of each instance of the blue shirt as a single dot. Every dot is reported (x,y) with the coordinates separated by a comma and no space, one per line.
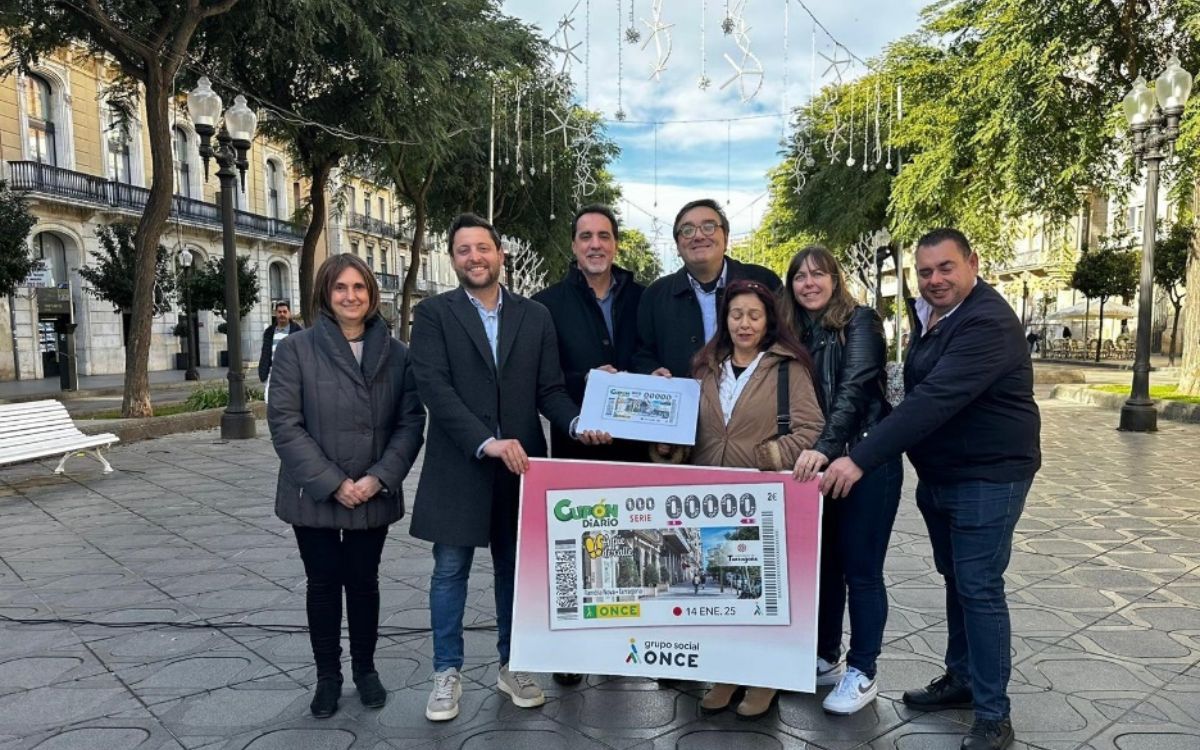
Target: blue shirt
(491,323)
(606,307)
(708,302)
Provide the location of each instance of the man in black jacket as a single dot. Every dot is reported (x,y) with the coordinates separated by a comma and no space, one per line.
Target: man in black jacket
(283,327)
(971,429)
(678,313)
(595,316)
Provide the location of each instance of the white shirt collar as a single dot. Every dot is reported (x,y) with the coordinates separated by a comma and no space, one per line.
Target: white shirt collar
(925,310)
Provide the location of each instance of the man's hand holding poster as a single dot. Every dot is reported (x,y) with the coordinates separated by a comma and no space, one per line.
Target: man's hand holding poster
(667,571)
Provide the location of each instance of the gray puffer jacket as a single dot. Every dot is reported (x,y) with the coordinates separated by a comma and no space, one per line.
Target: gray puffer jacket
(331,420)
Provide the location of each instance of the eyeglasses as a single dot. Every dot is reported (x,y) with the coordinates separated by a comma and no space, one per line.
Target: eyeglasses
(688,231)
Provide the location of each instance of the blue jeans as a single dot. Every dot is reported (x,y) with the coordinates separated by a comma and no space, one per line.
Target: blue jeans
(971,529)
(854,539)
(448,587)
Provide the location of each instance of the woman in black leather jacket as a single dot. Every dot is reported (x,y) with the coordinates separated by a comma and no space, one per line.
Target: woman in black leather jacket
(847,345)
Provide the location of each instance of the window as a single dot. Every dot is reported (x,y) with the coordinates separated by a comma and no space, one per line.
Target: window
(277,283)
(183,167)
(274,207)
(296,202)
(50,249)
(40,109)
(354,247)
(350,197)
(367,205)
(383,259)
(371,257)
(382,213)
(120,167)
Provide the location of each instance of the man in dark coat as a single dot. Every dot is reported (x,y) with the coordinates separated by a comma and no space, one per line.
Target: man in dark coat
(971,429)
(486,362)
(595,315)
(678,313)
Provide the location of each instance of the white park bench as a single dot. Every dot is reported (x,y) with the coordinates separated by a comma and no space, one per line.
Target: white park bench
(37,429)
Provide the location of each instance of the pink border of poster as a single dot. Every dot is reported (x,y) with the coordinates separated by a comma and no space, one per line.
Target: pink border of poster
(779,656)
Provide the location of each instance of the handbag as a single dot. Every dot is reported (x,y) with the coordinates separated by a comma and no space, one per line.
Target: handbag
(767,454)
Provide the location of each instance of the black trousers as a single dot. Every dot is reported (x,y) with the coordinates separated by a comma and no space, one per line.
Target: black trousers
(335,560)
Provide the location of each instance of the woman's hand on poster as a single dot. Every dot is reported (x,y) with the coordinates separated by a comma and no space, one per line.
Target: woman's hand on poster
(808,463)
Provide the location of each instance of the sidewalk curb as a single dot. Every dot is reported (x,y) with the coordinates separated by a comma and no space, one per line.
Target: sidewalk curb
(115,390)
(133,430)
(1175,411)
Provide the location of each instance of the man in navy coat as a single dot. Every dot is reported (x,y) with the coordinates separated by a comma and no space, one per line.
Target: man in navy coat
(971,430)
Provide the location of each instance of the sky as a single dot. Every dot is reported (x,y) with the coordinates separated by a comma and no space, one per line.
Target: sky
(726,151)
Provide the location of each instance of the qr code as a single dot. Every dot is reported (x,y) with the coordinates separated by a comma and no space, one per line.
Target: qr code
(566,578)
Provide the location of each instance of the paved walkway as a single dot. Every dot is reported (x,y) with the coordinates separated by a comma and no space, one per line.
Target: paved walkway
(1104,592)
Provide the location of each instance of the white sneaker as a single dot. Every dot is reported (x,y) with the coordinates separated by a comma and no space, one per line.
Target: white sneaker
(829,674)
(520,686)
(443,701)
(853,691)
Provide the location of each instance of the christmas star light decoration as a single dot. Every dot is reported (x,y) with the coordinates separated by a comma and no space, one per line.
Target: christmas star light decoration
(560,42)
(750,66)
(659,31)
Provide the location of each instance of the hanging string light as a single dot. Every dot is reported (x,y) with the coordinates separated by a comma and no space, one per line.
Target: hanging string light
(632,35)
(850,151)
(727,22)
(620,113)
(704,81)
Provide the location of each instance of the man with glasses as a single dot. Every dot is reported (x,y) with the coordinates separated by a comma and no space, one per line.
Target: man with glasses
(678,313)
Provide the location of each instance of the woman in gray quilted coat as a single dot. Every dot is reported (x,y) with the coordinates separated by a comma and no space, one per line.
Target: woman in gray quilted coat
(347,424)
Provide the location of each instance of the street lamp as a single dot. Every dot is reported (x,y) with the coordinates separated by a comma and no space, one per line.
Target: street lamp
(233,143)
(185,260)
(1153,115)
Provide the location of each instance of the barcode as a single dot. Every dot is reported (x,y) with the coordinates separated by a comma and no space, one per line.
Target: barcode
(566,578)
(770,569)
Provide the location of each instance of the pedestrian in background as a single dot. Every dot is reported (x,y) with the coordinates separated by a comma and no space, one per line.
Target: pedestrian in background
(347,424)
(280,329)
(849,353)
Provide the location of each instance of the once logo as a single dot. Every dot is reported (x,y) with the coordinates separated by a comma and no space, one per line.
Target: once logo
(611,611)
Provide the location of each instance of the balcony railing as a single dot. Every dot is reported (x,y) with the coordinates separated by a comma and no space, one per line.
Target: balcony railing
(77,187)
(388,282)
(372,225)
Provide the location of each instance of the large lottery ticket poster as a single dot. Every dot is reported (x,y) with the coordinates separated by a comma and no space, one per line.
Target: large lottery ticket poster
(667,571)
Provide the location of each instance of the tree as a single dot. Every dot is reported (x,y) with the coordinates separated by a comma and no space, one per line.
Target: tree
(1170,269)
(634,254)
(16,221)
(295,54)
(445,108)
(149,42)
(1110,270)
(112,277)
(207,286)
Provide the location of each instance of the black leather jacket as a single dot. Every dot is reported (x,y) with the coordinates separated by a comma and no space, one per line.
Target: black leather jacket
(851,375)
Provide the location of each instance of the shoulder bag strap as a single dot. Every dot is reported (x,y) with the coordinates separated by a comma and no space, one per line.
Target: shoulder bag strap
(783,410)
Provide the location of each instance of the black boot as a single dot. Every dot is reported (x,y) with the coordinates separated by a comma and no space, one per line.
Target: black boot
(325,698)
(944,692)
(370,690)
(989,734)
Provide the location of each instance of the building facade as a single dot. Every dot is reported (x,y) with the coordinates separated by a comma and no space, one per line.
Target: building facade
(83,165)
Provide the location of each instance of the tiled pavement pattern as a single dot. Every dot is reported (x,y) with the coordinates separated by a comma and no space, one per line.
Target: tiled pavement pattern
(1104,591)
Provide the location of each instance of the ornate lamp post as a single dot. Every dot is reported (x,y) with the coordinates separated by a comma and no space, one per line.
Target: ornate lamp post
(1153,115)
(185,260)
(233,143)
